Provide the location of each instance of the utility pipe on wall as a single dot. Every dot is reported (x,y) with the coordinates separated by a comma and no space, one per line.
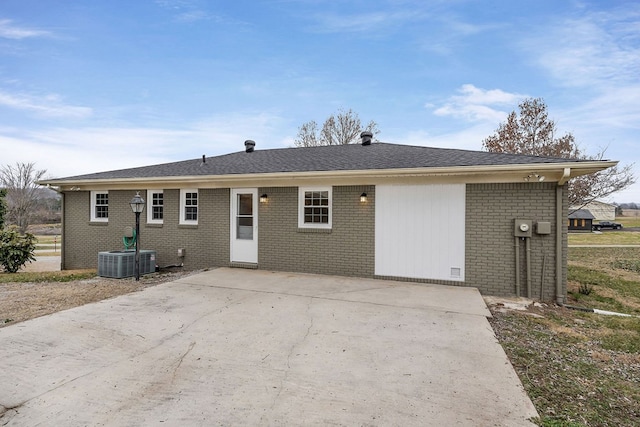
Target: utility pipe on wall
(544,269)
(528,259)
(517,250)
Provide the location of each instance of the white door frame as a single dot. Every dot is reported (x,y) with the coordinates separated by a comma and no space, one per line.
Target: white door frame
(244,237)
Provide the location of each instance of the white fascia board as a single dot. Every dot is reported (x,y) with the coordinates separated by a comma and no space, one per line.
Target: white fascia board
(553,172)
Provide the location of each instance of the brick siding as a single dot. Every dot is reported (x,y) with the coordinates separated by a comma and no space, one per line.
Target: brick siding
(206,244)
(347,249)
(490,244)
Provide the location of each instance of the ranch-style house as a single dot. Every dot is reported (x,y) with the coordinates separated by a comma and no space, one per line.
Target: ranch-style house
(493,221)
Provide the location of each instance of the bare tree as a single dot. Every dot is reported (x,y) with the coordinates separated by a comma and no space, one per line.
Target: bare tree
(532,132)
(343,127)
(308,135)
(21,184)
(3,207)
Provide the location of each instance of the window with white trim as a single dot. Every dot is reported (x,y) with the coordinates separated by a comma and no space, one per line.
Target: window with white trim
(314,207)
(100,206)
(189,206)
(155,206)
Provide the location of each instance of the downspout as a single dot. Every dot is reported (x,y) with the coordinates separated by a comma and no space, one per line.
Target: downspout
(62,227)
(559,226)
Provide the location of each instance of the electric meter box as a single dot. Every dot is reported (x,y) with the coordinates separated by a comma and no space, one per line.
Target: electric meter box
(543,227)
(522,227)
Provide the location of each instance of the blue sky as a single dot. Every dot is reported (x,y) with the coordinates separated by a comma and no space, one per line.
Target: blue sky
(101,85)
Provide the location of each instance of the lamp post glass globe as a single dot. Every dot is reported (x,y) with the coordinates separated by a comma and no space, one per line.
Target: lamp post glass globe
(137,203)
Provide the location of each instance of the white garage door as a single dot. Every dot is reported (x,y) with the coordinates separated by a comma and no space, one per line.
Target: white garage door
(420,231)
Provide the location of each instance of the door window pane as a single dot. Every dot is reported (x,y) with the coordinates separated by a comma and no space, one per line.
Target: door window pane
(244,218)
(245,204)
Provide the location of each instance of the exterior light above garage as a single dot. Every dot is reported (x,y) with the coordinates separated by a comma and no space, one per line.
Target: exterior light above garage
(535,177)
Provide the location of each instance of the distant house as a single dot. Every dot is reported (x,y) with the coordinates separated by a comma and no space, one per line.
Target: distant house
(432,215)
(581,220)
(601,211)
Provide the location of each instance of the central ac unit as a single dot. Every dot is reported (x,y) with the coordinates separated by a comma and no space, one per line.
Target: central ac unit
(120,264)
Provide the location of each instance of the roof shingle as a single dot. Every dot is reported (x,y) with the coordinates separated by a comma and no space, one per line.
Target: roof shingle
(325,158)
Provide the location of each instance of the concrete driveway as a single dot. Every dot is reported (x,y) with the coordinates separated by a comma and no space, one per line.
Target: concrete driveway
(249,347)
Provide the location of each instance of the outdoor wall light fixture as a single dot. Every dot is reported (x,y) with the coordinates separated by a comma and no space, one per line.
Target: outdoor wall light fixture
(535,177)
(137,206)
(363,197)
(264,198)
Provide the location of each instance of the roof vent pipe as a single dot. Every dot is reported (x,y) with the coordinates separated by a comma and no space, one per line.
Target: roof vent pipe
(249,145)
(204,159)
(366,137)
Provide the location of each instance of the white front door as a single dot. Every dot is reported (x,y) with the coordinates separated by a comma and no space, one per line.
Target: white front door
(244,225)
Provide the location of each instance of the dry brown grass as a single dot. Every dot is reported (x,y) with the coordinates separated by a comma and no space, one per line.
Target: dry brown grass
(20,301)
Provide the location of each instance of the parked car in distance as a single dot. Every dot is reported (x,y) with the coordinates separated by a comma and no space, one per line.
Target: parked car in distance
(606,224)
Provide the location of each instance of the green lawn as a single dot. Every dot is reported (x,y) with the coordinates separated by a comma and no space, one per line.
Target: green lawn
(49,240)
(51,244)
(49,276)
(605,238)
(629,221)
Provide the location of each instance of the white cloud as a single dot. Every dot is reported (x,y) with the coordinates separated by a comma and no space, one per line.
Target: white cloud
(594,49)
(371,22)
(187,11)
(616,108)
(9,31)
(476,104)
(48,105)
(465,138)
(595,55)
(73,151)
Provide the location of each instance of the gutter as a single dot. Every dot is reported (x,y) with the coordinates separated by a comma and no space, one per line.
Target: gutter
(515,173)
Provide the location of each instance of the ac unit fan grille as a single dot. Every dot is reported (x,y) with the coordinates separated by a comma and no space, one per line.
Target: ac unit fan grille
(121,264)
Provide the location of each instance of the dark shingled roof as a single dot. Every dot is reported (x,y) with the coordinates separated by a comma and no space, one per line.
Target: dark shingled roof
(325,158)
(581,214)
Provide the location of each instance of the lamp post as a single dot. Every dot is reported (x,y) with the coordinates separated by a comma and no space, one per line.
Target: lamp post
(137,206)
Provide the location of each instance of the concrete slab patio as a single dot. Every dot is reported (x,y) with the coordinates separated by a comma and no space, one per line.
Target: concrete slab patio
(251,347)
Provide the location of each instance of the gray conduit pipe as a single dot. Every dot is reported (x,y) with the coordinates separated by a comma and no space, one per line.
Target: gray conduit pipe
(544,268)
(528,255)
(517,248)
(559,225)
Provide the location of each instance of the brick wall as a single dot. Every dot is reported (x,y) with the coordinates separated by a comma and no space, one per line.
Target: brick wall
(82,241)
(490,244)
(347,249)
(206,244)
